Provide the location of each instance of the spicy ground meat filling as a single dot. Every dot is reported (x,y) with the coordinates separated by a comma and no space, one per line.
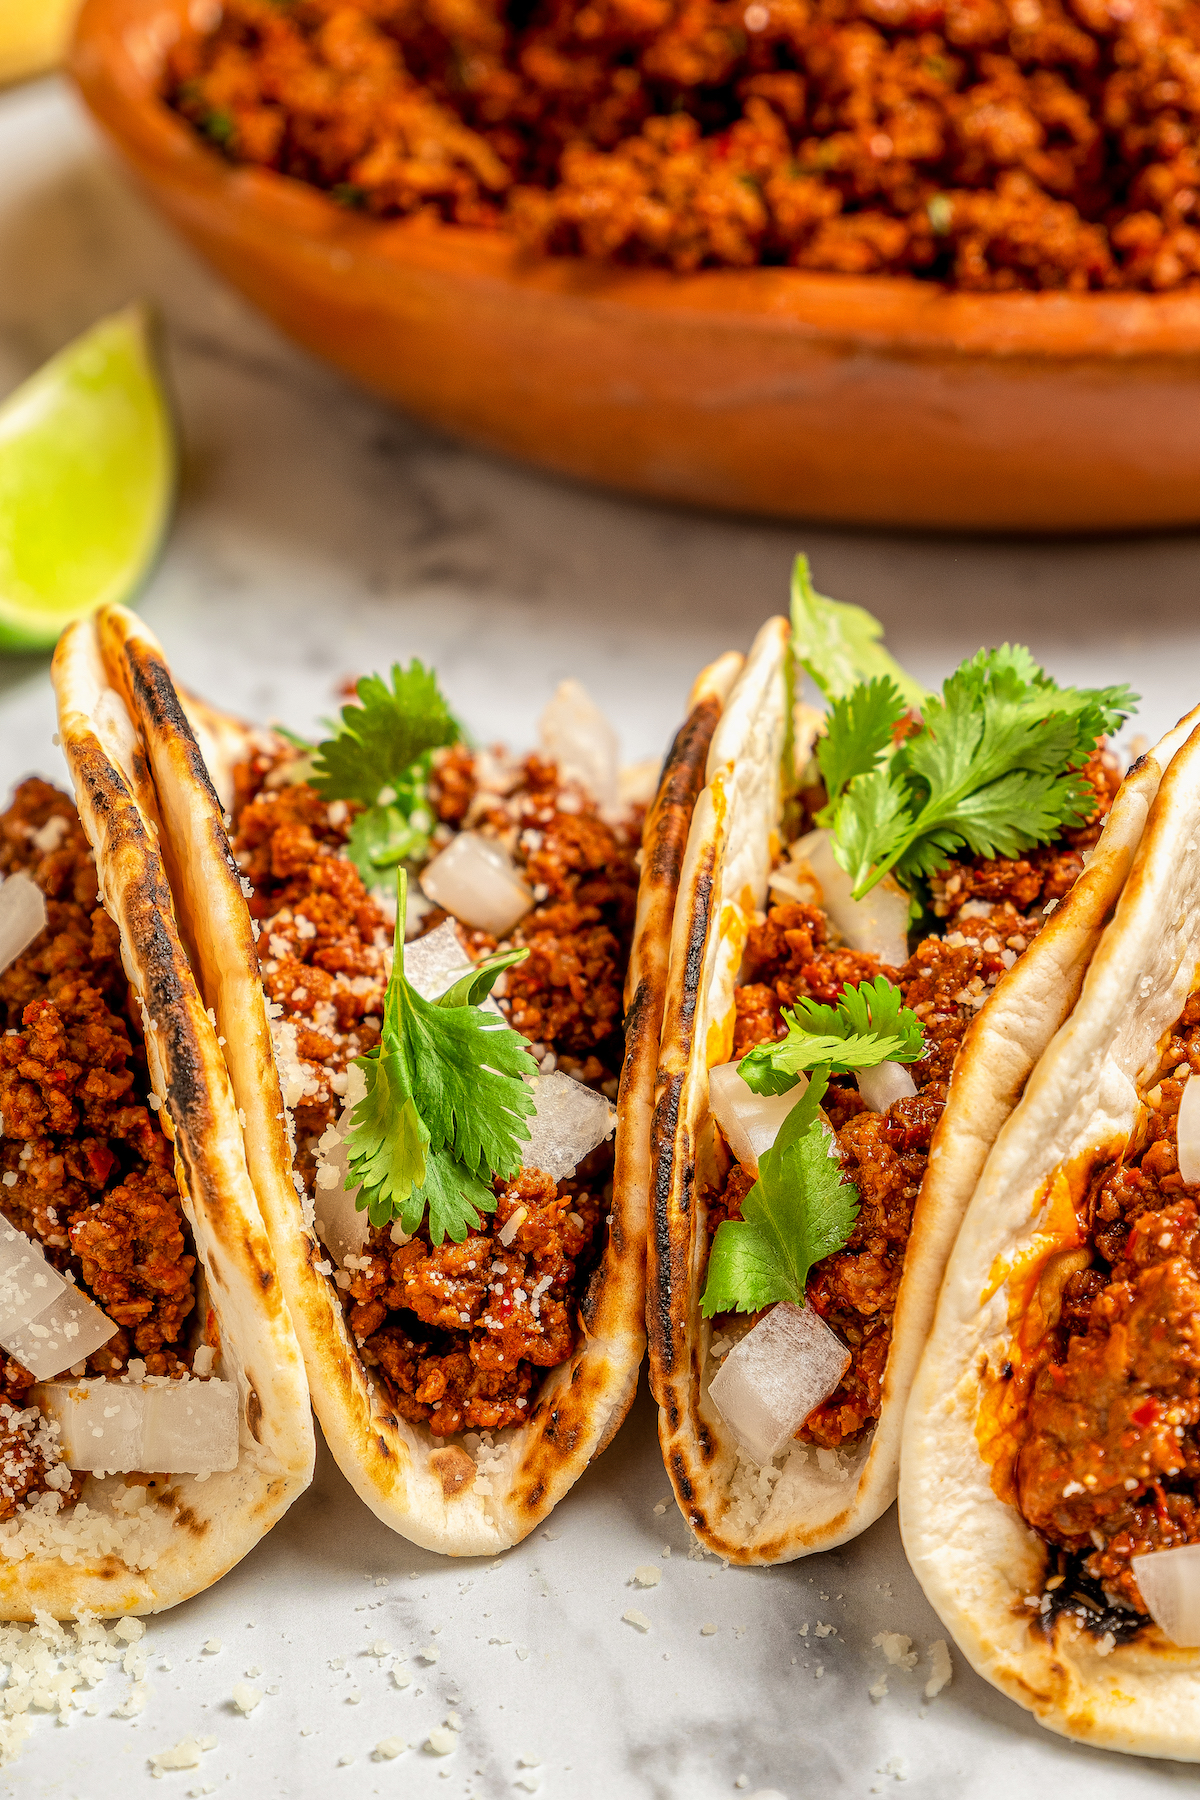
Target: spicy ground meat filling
(84,1168)
(459,1333)
(1110,1457)
(993,909)
(995,144)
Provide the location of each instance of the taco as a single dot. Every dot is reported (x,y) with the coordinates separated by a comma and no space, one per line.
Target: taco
(884,915)
(153,1409)
(1050,1474)
(470,1298)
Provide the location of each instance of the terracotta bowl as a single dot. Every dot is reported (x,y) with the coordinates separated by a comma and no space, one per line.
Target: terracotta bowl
(887,402)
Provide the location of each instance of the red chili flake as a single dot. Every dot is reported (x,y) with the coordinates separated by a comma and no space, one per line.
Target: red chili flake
(1146,1413)
(101,1162)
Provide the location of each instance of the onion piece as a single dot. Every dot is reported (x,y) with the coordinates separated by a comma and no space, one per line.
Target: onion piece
(174,1427)
(433,963)
(474,879)
(569,1122)
(1187,1131)
(750,1122)
(775,1376)
(577,737)
(22,916)
(341,1227)
(885,1083)
(45,1321)
(878,923)
(1170,1585)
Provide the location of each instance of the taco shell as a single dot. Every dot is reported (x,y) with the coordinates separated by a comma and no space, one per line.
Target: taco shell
(818,1499)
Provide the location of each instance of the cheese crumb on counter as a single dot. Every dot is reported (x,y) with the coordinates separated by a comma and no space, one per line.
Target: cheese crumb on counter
(648,1575)
(708,1630)
(896,1648)
(388,1748)
(213,1647)
(632,1616)
(245,1697)
(941,1669)
(441,1741)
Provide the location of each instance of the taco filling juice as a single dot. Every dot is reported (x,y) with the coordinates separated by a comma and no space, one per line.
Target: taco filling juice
(1100,1456)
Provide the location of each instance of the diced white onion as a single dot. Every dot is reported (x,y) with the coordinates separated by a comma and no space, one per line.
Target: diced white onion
(570,1121)
(433,963)
(1170,1585)
(882,1085)
(775,1376)
(45,1322)
(170,1427)
(878,923)
(474,879)
(750,1122)
(1188,1132)
(22,916)
(340,1226)
(577,737)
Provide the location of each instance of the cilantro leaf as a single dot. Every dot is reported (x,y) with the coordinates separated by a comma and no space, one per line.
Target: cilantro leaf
(839,645)
(383,734)
(383,836)
(473,988)
(859,730)
(379,755)
(869,1025)
(996,767)
(445,1103)
(799,1211)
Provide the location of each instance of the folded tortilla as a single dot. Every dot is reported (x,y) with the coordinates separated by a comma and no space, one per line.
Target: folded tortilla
(102,1555)
(815,1501)
(1113,1681)
(433,1492)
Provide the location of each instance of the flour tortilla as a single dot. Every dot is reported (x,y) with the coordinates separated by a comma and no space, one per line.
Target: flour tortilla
(973,1554)
(196,1528)
(813,1500)
(437,1496)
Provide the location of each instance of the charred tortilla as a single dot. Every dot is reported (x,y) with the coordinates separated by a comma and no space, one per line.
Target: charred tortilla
(137,1543)
(819,1498)
(1067,1275)
(436,1493)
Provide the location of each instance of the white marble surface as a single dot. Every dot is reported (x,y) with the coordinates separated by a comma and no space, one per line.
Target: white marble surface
(319,534)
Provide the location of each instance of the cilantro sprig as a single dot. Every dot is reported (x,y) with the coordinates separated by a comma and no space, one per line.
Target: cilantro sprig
(380,755)
(445,1105)
(996,768)
(869,1025)
(798,1211)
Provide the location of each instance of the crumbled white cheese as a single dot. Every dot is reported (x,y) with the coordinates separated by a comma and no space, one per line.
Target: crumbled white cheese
(940,1667)
(896,1648)
(648,1575)
(388,1748)
(245,1698)
(632,1616)
(441,1741)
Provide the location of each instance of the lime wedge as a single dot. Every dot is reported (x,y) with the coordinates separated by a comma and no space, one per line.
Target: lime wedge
(33,35)
(87,472)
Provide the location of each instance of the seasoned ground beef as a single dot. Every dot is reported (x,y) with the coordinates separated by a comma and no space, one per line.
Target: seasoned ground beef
(1110,1457)
(84,1167)
(459,1332)
(945,981)
(994,144)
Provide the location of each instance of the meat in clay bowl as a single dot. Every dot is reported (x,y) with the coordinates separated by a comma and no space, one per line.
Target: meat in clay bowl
(887,399)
